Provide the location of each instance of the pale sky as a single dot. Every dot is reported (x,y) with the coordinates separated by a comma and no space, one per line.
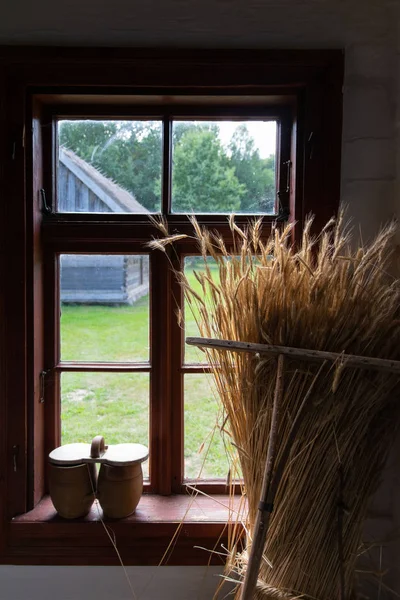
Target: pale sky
(263,133)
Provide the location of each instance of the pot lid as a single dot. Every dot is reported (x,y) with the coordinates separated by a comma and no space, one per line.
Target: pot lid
(124,454)
(70,454)
(119,455)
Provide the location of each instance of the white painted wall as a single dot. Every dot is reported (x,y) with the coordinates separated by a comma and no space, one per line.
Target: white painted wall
(107,583)
(368,32)
(369,134)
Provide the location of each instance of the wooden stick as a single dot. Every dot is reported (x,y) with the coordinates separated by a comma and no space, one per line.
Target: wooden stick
(340,514)
(265,508)
(347,360)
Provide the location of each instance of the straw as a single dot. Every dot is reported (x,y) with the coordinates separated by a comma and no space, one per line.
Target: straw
(325,296)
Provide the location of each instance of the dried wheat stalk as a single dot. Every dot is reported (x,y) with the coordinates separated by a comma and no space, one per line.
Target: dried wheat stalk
(322,296)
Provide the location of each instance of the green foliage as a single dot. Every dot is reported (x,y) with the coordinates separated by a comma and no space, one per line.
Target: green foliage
(257,175)
(207,177)
(203,180)
(128,152)
(86,138)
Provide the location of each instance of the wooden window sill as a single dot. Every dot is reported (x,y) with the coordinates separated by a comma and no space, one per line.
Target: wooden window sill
(42,537)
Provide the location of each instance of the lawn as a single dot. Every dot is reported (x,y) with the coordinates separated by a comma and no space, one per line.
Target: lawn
(116,405)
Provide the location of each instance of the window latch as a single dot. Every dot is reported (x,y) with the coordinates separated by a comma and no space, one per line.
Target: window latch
(46,209)
(42,378)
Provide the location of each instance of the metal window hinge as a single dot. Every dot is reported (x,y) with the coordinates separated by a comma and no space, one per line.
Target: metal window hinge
(42,382)
(46,209)
(15,452)
(283,196)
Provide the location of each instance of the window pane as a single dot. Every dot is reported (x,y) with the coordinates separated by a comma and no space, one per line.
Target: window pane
(205,454)
(104,307)
(114,405)
(109,166)
(195,264)
(224,167)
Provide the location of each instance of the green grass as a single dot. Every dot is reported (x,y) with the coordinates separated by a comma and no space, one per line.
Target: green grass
(116,405)
(105,333)
(204,451)
(193,354)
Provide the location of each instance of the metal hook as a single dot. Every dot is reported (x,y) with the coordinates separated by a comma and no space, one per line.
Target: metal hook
(42,376)
(45,207)
(288,163)
(284,210)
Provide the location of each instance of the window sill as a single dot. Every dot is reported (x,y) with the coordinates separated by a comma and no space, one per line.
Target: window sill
(42,537)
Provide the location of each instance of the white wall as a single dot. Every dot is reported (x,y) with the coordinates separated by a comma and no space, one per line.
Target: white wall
(107,583)
(369,134)
(368,32)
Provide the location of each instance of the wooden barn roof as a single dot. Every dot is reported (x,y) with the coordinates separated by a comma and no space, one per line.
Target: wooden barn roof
(109,192)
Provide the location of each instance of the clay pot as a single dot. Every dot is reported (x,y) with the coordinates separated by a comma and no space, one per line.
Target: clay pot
(71,489)
(119,489)
(72,476)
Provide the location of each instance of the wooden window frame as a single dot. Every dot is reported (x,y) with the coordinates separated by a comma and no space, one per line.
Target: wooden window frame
(166,391)
(33,82)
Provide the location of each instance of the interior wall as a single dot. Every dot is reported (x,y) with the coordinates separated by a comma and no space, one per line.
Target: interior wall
(369,134)
(368,33)
(108,583)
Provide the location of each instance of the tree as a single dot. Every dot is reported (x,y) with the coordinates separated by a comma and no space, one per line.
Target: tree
(253,172)
(134,162)
(128,152)
(85,138)
(202,178)
(206,176)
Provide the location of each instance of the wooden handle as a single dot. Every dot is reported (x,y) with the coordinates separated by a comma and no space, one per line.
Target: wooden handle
(266,502)
(97,447)
(345,360)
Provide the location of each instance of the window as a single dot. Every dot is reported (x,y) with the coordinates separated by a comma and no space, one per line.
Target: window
(104,372)
(93,344)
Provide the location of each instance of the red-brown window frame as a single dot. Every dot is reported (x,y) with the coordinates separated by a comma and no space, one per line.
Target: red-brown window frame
(166,369)
(313,78)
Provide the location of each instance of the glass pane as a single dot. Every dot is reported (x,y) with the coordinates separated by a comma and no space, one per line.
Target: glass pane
(104,307)
(224,167)
(204,446)
(195,264)
(109,166)
(114,405)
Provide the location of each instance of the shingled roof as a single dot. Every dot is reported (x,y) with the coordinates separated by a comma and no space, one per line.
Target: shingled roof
(114,196)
